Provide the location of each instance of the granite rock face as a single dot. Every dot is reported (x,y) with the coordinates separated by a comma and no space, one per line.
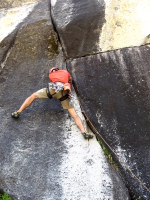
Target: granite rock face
(11,21)
(125,25)
(87,27)
(79,25)
(114,91)
(16,3)
(43,154)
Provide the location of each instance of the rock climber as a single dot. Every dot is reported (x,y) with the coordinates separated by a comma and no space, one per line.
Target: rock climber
(58,88)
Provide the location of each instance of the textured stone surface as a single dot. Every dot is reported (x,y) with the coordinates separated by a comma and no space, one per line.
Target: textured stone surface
(126,24)
(5,47)
(26,150)
(86,27)
(39,40)
(79,25)
(114,91)
(10,22)
(43,154)
(11,18)
(15,3)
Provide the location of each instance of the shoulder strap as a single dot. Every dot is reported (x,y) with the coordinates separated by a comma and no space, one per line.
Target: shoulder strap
(64,97)
(51,95)
(48,93)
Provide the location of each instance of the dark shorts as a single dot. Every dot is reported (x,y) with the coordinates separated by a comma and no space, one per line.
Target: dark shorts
(66,104)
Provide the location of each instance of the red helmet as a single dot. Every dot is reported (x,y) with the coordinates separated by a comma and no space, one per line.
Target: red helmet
(53,69)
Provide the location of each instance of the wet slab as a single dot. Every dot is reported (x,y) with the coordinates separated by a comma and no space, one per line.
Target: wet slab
(86,27)
(114,92)
(10,22)
(79,25)
(43,154)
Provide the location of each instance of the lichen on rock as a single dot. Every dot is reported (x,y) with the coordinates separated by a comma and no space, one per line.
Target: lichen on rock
(126,24)
(15,3)
(53,43)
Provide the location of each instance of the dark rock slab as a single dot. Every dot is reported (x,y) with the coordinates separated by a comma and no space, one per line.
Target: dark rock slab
(43,154)
(28,146)
(38,18)
(6,45)
(87,174)
(114,91)
(39,40)
(79,24)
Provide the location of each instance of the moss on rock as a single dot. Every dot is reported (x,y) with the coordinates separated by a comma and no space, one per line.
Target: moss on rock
(53,44)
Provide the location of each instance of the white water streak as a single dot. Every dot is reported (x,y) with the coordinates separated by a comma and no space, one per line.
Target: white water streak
(84,170)
(4,63)
(53,2)
(9,19)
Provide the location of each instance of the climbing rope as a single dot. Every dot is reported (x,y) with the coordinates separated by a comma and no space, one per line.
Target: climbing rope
(95,131)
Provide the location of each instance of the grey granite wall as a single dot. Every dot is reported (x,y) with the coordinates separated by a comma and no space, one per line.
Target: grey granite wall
(43,154)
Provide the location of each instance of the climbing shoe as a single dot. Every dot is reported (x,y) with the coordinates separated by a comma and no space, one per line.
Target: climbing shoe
(87,136)
(15,115)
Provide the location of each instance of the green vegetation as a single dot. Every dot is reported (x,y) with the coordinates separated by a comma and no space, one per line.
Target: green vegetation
(53,44)
(138,198)
(5,197)
(108,154)
(112,162)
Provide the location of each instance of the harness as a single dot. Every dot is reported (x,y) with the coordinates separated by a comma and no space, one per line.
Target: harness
(63,76)
(50,96)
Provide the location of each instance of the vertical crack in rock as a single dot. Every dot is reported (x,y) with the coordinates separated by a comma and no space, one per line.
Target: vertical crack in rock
(115,97)
(85,173)
(78,24)
(52,3)
(30,148)
(49,160)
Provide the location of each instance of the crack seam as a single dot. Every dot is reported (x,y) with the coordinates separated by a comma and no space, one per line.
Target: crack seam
(102,52)
(94,130)
(57,33)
